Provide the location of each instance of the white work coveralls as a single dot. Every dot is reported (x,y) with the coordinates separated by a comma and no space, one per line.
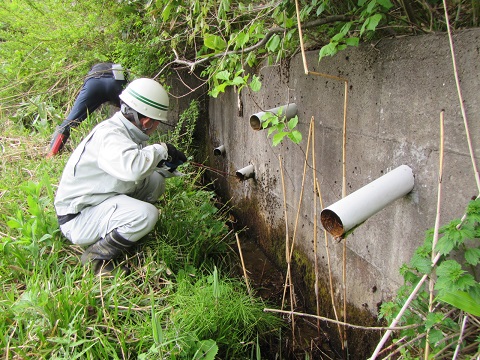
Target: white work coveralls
(110,182)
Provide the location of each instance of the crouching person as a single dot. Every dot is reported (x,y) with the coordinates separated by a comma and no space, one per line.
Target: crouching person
(105,197)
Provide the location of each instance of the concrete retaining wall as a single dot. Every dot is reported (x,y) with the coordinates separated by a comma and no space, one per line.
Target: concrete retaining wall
(396,92)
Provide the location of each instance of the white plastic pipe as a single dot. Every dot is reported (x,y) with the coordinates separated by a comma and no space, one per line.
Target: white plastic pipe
(246,173)
(219,150)
(288,111)
(354,209)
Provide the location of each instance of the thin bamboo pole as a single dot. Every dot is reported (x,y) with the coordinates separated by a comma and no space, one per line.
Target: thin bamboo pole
(380,328)
(460,98)
(315,252)
(243,265)
(290,251)
(437,223)
(287,246)
(327,250)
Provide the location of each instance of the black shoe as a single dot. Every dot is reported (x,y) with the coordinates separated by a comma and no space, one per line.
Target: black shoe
(107,268)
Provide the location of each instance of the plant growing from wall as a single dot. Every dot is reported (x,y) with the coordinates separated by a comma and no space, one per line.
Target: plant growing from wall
(278,125)
(457,293)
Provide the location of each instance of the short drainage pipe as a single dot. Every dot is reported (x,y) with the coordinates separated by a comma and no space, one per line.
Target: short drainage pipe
(247,172)
(219,150)
(288,111)
(354,209)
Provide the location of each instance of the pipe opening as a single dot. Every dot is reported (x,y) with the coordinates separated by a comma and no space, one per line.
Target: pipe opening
(245,173)
(219,150)
(282,112)
(332,223)
(255,122)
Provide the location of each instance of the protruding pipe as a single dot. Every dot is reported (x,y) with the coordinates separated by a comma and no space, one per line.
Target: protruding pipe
(354,209)
(288,111)
(247,172)
(219,150)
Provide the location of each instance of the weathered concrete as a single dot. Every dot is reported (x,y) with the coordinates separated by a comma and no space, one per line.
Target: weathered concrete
(396,92)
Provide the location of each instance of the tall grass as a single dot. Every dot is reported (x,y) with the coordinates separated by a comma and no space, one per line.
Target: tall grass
(181,301)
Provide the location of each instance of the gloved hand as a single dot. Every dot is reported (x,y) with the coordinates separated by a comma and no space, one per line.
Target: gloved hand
(175,156)
(174,159)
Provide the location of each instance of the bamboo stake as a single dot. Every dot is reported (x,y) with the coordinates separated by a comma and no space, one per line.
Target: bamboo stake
(330,278)
(288,280)
(300,35)
(460,98)
(284,207)
(381,328)
(243,264)
(437,224)
(315,253)
(289,253)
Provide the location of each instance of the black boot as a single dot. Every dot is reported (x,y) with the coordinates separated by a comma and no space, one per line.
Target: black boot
(105,251)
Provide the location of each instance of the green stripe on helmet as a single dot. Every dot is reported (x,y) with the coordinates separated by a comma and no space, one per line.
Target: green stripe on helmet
(146,101)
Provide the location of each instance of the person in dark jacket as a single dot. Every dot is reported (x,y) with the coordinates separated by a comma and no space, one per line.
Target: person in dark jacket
(103,83)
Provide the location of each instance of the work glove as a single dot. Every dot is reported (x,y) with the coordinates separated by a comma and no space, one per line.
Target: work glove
(174,159)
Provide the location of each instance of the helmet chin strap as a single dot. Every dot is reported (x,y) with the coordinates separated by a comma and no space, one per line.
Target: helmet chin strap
(125,109)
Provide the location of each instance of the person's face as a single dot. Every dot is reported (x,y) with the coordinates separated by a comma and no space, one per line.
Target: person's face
(150,125)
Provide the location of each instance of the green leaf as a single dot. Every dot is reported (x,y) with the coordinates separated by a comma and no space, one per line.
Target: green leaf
(292,123)
(444,245)
(223,75)
(434,336)
(328,50)
(373,21)
(241,40)
(422,264)
(214,42)
(461,300)
(278,137)
(472,256)
(255,83)
(238,80)
(295,136)
(385,3)
(352,41)
(433,319)
(273,43)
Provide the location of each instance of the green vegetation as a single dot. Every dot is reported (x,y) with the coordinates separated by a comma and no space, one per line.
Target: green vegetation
(439,323)
(181,300)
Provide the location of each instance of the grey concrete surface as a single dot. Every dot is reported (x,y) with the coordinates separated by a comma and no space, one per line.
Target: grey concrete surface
(397,89)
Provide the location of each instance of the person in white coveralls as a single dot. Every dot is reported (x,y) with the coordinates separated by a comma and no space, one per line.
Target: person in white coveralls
(105,197)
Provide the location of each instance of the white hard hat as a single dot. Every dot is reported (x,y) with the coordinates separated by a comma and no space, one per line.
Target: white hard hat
(147,97)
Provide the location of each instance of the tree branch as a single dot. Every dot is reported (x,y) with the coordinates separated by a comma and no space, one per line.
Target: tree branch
(261,43)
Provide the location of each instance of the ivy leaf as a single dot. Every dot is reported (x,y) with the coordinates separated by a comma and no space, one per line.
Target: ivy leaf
(472,256)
